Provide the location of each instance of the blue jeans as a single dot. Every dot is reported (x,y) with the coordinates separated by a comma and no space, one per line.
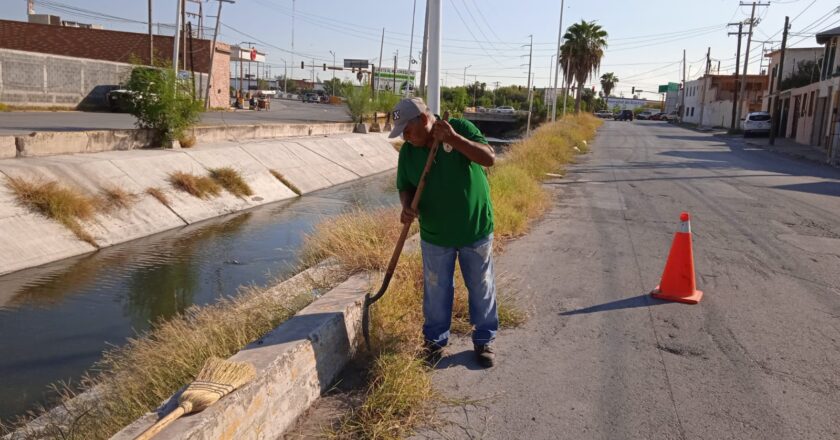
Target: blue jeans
(476,261)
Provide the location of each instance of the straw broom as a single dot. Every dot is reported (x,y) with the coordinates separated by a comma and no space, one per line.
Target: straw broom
(217,379)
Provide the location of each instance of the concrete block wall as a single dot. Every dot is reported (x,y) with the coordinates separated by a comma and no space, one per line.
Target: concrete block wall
(37,79)
(295,363)
(308,163)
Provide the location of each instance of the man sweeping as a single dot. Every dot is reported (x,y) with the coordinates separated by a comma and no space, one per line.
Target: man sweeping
(456,222)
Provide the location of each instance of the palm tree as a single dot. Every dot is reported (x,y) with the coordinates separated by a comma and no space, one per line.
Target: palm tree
(608,82)
(584,48)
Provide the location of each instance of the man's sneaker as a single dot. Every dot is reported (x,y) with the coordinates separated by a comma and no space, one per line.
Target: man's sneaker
(485,355)
(432,353)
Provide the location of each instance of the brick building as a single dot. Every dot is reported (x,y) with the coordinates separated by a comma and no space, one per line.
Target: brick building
(88,45)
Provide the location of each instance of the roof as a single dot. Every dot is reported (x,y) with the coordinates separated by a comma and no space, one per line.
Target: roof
(794,49)
(824,36)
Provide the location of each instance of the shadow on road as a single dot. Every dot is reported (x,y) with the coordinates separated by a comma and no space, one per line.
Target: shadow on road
(465,358)
(626,303)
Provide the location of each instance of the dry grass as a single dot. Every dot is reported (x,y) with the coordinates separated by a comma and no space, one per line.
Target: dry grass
(286,182)
(114,198)
(158,194)
(67,206)
(231,180)
(4,108)
(135,378)
(202,187)
(188,141)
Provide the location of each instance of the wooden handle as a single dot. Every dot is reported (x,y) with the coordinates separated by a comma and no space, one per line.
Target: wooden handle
(162,423)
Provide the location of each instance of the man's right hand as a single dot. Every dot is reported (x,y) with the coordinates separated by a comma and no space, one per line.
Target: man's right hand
(408,215)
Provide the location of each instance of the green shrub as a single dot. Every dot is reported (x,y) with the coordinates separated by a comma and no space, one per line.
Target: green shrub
(162,102)
(359,103)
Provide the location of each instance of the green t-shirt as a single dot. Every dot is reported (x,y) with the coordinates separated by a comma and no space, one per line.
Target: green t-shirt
(455,208)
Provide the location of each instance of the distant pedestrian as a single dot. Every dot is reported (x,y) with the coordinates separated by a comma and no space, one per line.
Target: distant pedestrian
(456,221)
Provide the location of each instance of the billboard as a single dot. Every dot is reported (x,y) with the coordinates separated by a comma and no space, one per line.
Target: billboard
(388,80)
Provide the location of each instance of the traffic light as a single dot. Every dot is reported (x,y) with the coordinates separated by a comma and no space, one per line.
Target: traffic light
(301,65)
(633,90)
(325,67)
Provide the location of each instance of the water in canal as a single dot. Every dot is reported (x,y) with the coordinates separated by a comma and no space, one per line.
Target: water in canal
(56,320)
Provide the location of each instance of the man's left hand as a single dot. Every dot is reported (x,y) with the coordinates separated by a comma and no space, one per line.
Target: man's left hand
(442,131)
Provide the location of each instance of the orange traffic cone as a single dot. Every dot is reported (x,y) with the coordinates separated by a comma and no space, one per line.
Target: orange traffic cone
(678,278)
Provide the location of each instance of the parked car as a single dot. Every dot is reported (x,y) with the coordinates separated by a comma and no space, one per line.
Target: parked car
(120,100)
(644,115)
(673,116)
(624,115)
(604,114)
(756,123)
(658,116)
(310,97)
(506,109)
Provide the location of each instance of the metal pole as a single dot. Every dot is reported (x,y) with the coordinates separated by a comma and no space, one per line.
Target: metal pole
(423,55)
(378,68)
(743,90)
(530,107)
(396,57)
(737,77)
(151,38)
(293,39)
(557,72)
(465,74)
(703,93)
(682,104)
(176,38)
(777,108)
(184,31)
(435,19)
(410,46)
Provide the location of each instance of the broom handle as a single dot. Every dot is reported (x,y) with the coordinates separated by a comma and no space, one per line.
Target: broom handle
(162,423)
(415,201)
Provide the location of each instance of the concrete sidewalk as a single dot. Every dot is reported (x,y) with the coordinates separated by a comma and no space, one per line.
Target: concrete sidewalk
(791,148)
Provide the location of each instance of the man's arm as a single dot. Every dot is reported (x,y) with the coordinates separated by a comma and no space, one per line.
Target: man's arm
(407,215)
(479,153)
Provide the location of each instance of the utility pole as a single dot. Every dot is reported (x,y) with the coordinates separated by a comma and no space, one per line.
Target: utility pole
(184,31)
(465,75)
(410,47)
(776,108)
(752,22)
(682,105)
(530,59)
(379,69)
(705,80)
(557,72)
(213,55)
(737,73)
(151,38)
(292,72)
(433,97)
(396,57)
(530,107)
(423,54)
(177,39)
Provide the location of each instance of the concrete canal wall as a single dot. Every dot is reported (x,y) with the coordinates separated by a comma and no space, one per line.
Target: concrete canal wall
(28,239)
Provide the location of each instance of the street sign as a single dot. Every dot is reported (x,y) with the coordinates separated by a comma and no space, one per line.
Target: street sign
(356,64)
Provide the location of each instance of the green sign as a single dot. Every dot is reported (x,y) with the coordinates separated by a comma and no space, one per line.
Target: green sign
(670,87)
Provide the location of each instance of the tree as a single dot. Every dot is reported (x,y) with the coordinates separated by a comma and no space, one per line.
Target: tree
(333,87)
(806,72)
(608,82)
(359,103)
(587,96)
(162,103)
(582,52)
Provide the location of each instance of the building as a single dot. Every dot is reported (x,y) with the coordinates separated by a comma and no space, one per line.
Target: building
(807,101)
(709,99)
(58,65)
(630,103)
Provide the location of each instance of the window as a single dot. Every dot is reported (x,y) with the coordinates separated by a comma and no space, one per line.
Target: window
(804,104)
(692,112)
(811,104)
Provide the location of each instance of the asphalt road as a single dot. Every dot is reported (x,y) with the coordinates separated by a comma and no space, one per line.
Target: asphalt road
(758,358)
(18,123)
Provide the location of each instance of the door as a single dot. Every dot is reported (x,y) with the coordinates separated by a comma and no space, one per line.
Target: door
(796,103)
(818,135)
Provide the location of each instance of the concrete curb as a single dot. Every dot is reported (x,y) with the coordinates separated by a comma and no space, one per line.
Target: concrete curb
(49,143)
(295,363)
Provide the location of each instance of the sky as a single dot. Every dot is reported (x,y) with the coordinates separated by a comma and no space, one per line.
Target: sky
(488,40)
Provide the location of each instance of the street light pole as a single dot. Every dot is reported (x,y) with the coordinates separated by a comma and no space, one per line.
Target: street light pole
(557,72)
(332,89)
(410,46)
(285,76)
(465,74)
(435,19)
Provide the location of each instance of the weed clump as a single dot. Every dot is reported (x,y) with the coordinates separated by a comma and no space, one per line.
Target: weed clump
(116,198)
(202,187)
(232,181)
(158,194)
(286,182)
(65,205)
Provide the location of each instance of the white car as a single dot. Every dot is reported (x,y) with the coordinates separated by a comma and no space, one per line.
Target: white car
(645,115)
(506,109)
(756,122)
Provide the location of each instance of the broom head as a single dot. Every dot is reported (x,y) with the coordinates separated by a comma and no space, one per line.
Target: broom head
(217,379)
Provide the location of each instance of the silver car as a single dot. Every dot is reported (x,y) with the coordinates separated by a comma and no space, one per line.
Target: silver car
(755,123)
